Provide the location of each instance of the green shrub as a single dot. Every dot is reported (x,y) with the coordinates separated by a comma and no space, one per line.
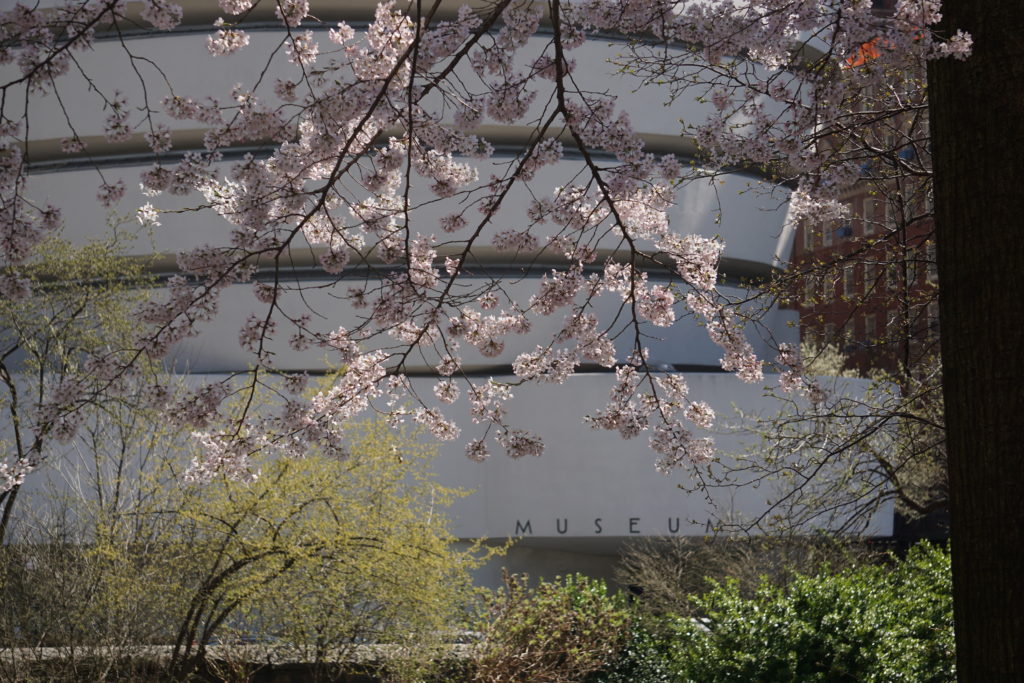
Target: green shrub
(873,623)
(647,656)
(558,632)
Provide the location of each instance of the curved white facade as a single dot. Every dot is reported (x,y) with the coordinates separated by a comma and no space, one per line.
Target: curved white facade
(591,490)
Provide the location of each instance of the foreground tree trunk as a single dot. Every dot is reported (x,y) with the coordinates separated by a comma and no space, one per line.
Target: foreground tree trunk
(977,117)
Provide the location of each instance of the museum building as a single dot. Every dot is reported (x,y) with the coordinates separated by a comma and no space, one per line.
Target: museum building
(572,508)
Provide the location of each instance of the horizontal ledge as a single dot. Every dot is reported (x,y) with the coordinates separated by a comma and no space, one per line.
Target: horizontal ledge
(505,370)
(199,15)
(500,371)
(198,12)
(46,156)
(487,263)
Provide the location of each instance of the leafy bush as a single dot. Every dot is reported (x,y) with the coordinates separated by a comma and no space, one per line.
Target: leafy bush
(647,656)
(558,632)
(873,623)
(673,571)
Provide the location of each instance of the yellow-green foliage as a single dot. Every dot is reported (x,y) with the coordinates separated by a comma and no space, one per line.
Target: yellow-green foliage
(322,554)
(313,560)
(81,301)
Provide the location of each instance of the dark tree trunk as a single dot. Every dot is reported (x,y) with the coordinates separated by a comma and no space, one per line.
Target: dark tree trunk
(977,118)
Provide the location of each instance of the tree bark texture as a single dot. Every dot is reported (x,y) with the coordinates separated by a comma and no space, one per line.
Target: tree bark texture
(977,119)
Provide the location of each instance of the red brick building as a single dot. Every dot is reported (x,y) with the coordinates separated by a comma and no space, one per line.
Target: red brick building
(867,283)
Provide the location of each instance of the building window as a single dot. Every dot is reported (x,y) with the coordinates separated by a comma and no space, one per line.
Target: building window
(844,227)
(870,275)
(869,217)
(870,328)
(826,233)
(809,287)
(848,280)
(933,320)
(808,237)
(828,289)
(930,255)
(877,212)
(891,277)
(830,334)
(847,346)
(920,203)
(914,258)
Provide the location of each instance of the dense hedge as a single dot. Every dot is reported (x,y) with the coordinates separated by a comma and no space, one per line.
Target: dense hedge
(871,623)
(649,655)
